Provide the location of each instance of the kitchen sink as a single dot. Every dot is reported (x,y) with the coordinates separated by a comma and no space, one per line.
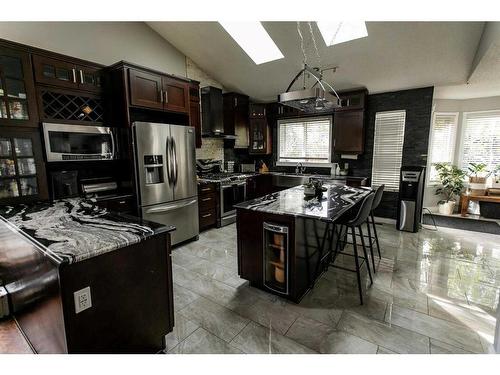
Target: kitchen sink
(287,180)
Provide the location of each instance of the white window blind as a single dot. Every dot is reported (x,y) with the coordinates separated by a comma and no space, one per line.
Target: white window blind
(443,137)
(305,140)
(481,139)
(388,148)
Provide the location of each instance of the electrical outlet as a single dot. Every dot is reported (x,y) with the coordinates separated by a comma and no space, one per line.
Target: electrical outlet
(83,300)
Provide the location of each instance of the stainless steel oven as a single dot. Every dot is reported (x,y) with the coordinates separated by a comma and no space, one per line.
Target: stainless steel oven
(231,193)
(65,142)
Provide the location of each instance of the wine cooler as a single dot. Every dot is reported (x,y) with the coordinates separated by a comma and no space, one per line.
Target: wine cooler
(276,257)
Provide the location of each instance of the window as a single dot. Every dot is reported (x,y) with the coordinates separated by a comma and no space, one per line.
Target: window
(305,141)
(442,143)
(481,139)
(388,149)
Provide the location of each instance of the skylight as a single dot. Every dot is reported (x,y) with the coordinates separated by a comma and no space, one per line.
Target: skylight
(340,32)
(254,40)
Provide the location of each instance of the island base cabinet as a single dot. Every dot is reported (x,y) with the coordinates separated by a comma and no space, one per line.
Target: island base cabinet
(131,299)
(282,254)
(131,295)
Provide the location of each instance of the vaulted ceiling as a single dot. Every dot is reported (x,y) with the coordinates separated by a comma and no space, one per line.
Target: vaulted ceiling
(394,56)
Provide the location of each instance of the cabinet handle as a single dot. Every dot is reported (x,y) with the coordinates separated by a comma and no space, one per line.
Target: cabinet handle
(235,102)
(206,199)
(81,76)
(334,140)
(74,75)
(121,202)
(161,96)
(206,189)
(166,96)
(206,215)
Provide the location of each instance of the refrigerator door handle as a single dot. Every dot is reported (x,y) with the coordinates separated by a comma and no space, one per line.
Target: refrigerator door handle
(176,166)
(169,207)
(169,161)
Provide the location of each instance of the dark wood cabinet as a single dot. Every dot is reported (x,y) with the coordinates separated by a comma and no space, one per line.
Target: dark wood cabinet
(145,89)
(352,100)
(175,95)
(195,111)
(349,134)
(207,205)
(17,92)
(257,110)
(236,118)
(22,169)
(66,73)
(156,91)
(260,137)
(259,185)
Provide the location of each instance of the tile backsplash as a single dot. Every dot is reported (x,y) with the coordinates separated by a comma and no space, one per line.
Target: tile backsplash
(212,148)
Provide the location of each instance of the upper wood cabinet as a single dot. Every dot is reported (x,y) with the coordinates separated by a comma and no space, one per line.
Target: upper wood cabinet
(349,132)
(145,89)
(66,73)
(17,92)
(156,91)
(236,120)
(176,95)
(260,137)
(352,100)
(257,110)
(195,111)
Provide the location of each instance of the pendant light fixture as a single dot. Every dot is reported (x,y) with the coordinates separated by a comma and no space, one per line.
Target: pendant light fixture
(321,97)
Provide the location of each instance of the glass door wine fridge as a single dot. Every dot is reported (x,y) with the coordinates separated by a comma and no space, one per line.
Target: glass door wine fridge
(276,257)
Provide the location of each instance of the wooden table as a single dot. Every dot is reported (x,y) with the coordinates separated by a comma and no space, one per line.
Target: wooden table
(464,201)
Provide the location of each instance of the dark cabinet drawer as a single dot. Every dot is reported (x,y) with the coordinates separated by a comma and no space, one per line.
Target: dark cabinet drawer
(207,218)
(206,189)
(207,201)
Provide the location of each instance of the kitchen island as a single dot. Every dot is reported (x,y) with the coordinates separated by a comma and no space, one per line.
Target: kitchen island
(283,239)
(51,253)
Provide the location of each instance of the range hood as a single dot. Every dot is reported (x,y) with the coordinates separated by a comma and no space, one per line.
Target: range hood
(320,98)
(212,116)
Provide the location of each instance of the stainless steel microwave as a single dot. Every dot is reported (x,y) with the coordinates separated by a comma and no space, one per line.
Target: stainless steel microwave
(65,142)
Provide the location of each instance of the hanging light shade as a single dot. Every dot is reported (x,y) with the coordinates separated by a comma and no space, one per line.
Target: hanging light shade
(319,98)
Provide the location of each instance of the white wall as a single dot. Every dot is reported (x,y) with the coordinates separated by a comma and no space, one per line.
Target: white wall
(460,106)
(101,42)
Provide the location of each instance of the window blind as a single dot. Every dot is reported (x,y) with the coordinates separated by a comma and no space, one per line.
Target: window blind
(443,137)
(481,140)
(388,148)
(305,140)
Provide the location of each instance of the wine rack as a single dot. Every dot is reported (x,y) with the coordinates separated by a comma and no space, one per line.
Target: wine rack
(276,257)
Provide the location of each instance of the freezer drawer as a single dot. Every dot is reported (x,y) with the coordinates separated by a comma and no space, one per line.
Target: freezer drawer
(182,214)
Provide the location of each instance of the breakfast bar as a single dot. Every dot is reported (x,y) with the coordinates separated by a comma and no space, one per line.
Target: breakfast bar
(283,237)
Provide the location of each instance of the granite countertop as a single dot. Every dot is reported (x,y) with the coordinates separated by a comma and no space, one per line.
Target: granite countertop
(334,202)
(76,229)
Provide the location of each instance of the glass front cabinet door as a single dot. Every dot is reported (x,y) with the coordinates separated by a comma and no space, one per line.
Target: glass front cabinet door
(22,173)
(276,258)
(17,100)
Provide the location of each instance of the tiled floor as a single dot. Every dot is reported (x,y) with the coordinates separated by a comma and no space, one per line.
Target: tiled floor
(434,292)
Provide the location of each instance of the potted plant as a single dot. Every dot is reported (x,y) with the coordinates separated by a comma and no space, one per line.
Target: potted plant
(452,184)
(477,178)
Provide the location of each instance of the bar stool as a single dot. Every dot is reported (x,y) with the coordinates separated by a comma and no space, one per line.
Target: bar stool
(352,223)
(376,201)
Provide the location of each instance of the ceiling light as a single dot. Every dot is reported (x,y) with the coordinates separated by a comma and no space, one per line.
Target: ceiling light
(340,32)
(254,40)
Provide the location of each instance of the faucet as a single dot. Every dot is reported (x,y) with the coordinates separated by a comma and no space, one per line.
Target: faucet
(299,168)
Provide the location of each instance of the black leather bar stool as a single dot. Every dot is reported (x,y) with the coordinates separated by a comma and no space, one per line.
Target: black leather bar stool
(354,222)
(376,201)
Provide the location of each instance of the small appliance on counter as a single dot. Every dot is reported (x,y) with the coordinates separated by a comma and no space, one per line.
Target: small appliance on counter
(101,187)
(411,193)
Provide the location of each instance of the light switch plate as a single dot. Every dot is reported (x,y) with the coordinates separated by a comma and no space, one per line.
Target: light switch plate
(83,300)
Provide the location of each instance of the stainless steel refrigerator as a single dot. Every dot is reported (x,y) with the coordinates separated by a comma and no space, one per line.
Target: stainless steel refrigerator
(165,173)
